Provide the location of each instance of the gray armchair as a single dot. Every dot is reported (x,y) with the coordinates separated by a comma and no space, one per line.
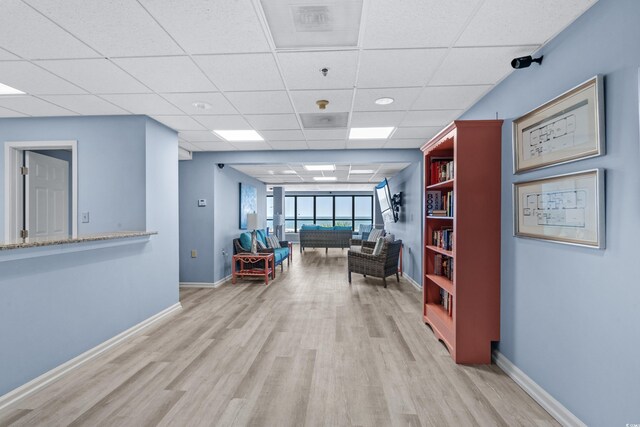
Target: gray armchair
(383,265)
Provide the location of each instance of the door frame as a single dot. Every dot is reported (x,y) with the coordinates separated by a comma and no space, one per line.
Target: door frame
(13,187)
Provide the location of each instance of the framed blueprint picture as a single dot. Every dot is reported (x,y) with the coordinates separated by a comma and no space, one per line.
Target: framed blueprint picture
(564,208)
(565,129)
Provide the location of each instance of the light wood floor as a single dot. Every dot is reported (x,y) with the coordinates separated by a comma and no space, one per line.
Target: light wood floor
(307,350)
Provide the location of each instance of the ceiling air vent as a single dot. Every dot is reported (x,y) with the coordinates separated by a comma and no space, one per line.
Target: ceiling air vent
(324,120)
(301,24)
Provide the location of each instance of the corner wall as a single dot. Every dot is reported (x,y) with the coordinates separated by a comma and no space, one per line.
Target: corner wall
(570,315)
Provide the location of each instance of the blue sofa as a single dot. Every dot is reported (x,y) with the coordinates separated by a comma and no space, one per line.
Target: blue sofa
(243,244)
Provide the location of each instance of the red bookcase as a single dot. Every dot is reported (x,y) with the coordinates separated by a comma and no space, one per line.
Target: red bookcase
(461,283)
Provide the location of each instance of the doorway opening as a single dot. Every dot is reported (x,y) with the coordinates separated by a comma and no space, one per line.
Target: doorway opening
(40,190)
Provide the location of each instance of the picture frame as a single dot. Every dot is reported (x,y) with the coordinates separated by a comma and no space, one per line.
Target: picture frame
(568,128)
(248,203)
(566,208)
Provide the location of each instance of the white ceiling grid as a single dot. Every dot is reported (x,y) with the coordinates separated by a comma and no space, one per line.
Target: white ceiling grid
(158,57)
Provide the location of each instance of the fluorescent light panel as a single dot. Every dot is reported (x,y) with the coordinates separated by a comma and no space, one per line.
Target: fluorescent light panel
(289,172)
(320,167)
(361,172)
(238,135)
(325,178)
(370,133)
(8,90)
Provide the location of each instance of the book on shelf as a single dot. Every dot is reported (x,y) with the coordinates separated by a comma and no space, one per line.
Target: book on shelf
(443,238)
(446,206)
(443,266)
(446,301)
(434,200)
(440,170)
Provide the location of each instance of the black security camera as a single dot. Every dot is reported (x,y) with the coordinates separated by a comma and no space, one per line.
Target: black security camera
(525,61)
(221,165)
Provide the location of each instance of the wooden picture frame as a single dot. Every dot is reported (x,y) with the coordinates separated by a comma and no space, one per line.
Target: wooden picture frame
(570,127)
(565,208)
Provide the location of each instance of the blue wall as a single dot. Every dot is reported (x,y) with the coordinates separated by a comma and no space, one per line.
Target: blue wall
(211,229)
(409,226)
(570,316)
(55,307)
(109,148)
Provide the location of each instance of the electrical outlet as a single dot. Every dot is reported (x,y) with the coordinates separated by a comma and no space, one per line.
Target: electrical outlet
(194,253)
(85,217)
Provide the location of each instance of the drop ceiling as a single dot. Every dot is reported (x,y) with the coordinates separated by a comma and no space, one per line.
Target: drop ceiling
(349,176)
(158,57)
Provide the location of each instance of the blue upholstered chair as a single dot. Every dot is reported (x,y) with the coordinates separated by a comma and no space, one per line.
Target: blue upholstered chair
(362,230)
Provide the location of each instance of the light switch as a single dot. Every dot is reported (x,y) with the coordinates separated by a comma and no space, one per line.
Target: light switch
(202,203)
(194,253)
(85,217)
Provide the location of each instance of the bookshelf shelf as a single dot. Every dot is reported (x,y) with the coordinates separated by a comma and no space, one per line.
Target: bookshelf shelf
(463,312)
(440,251)
(442,282)
(441,185)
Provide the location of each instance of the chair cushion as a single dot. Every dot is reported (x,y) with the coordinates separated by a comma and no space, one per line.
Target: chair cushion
(341,227)
(281,254)
(245,241)
(378,249)
(273,242)
(310,227)
(375,233)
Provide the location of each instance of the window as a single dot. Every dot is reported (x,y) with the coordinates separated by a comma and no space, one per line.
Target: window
(326,211)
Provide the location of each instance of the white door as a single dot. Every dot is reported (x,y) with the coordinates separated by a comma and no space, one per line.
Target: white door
(46,196)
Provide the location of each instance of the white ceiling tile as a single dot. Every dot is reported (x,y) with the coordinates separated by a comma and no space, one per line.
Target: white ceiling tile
(449,97)
(403,98)
(211,27)
(167,73)
(273,121)
(230,122)
(522,22)
(197,136)
(327,145)
(422,132)
(146,103)
(114,27)
(33,106)
(377,118)
(185,101)
(301,70)
(325,134)
(260,102)
(214,146)
(282,135)
(430,117)
(34,80)
(361,144)
(415,23)
(179,122)
(490,65)
(242,72)
(6,56)
(95,75)
(188,146)
(405,143)
(398,68)
(32,36)
(305,100)
(289,145)
(252,145)
(86,105)
(4,112)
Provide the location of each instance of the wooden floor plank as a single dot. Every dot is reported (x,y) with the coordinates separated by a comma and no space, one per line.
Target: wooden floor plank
(309,349)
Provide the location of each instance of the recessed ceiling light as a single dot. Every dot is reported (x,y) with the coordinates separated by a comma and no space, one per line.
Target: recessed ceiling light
(238,135)
(289,172)
(8,90)
(384,101)
(370,133)
(202,105)
(325,178)
(320,167)
(361,172)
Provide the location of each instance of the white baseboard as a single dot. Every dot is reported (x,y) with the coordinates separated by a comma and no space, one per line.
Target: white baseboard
(544,399)
(57,372)
(205,284)
(413,282)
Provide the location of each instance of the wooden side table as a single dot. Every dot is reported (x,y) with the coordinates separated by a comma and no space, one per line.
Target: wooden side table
(269,269)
